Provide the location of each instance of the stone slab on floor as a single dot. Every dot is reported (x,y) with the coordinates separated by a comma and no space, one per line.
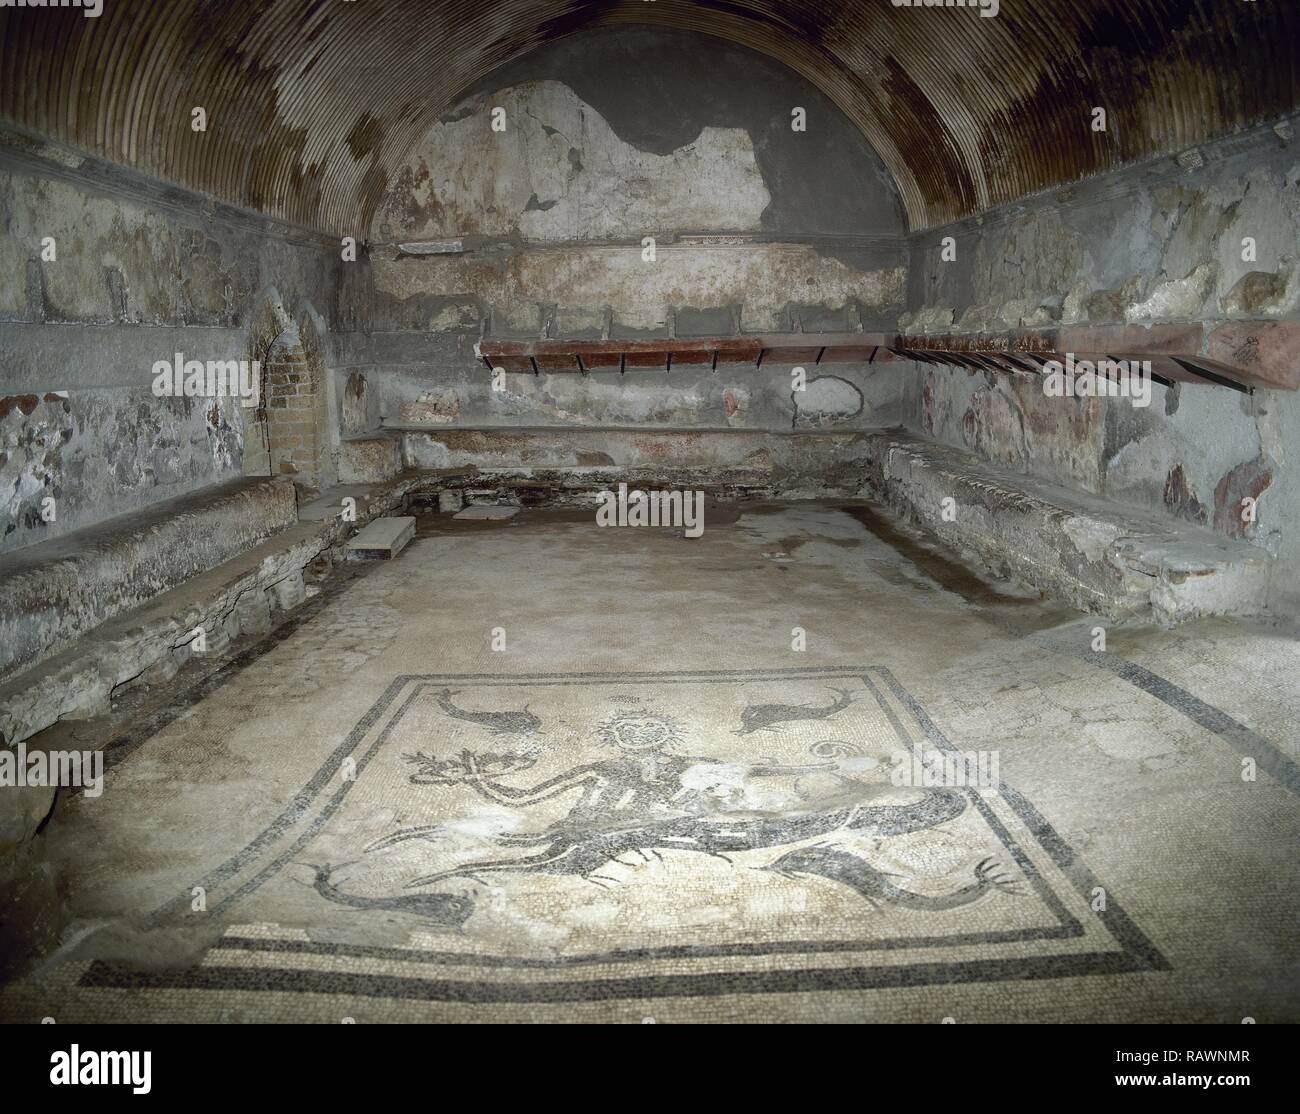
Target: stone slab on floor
(1100,555)
(486,512)
(382,539)
(50,594)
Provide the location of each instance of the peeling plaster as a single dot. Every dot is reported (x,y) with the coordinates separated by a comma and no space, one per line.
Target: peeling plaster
(760,277)
(559,173)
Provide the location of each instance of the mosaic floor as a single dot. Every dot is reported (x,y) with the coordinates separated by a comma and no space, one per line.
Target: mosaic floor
(537,771)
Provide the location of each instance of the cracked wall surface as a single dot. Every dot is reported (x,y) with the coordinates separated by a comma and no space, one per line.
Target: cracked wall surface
(139,272)
(731,398)
(757,228)
(1155,244)
(531,180)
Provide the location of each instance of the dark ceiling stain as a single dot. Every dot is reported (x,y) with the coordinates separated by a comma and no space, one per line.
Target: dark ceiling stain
(964,112)
(366,136)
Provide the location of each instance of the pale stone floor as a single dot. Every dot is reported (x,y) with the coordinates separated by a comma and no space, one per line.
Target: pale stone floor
(664,812)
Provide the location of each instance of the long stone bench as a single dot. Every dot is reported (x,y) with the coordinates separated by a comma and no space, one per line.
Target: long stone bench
(152,642)
(53,593)
(1100,555)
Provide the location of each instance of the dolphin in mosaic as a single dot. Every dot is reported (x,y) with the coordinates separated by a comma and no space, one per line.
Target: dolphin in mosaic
(499,723)
(874,885)
(448,910)
(766,717)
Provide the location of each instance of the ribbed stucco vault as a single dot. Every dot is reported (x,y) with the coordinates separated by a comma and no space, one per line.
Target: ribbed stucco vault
(312,103)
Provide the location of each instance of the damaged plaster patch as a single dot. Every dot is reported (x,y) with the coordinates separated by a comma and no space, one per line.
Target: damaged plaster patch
(559,172)
(734,400)
(1259,206)
(98,449)
(439,407)
(826,400)
(994,425)
(1009,420)
(1040,252)
(1247,481)
(33,432)
(1177,300)
(225,434)
(356,404)
(1176,462)
(930,319)
(1257,293)
(1181,499)
(1091,537)
(639,295)
(619,400)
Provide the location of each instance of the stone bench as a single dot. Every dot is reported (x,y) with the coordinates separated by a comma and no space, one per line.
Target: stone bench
(1100,555)
(152,642)
(53,593)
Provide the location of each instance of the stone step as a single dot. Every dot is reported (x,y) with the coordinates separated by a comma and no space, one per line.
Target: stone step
(382,540)
(487,512)
(1097,554)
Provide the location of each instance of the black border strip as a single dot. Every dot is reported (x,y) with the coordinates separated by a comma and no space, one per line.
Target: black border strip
(103,975)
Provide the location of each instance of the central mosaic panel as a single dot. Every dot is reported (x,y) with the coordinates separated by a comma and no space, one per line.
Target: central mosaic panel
(685,833)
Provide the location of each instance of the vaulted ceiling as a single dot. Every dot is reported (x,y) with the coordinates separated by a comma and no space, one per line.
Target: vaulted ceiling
(312,103)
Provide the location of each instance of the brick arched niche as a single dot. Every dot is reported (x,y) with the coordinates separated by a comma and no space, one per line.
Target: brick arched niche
(288,432)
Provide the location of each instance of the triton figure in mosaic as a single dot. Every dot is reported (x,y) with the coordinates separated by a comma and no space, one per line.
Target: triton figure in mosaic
(645,799)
